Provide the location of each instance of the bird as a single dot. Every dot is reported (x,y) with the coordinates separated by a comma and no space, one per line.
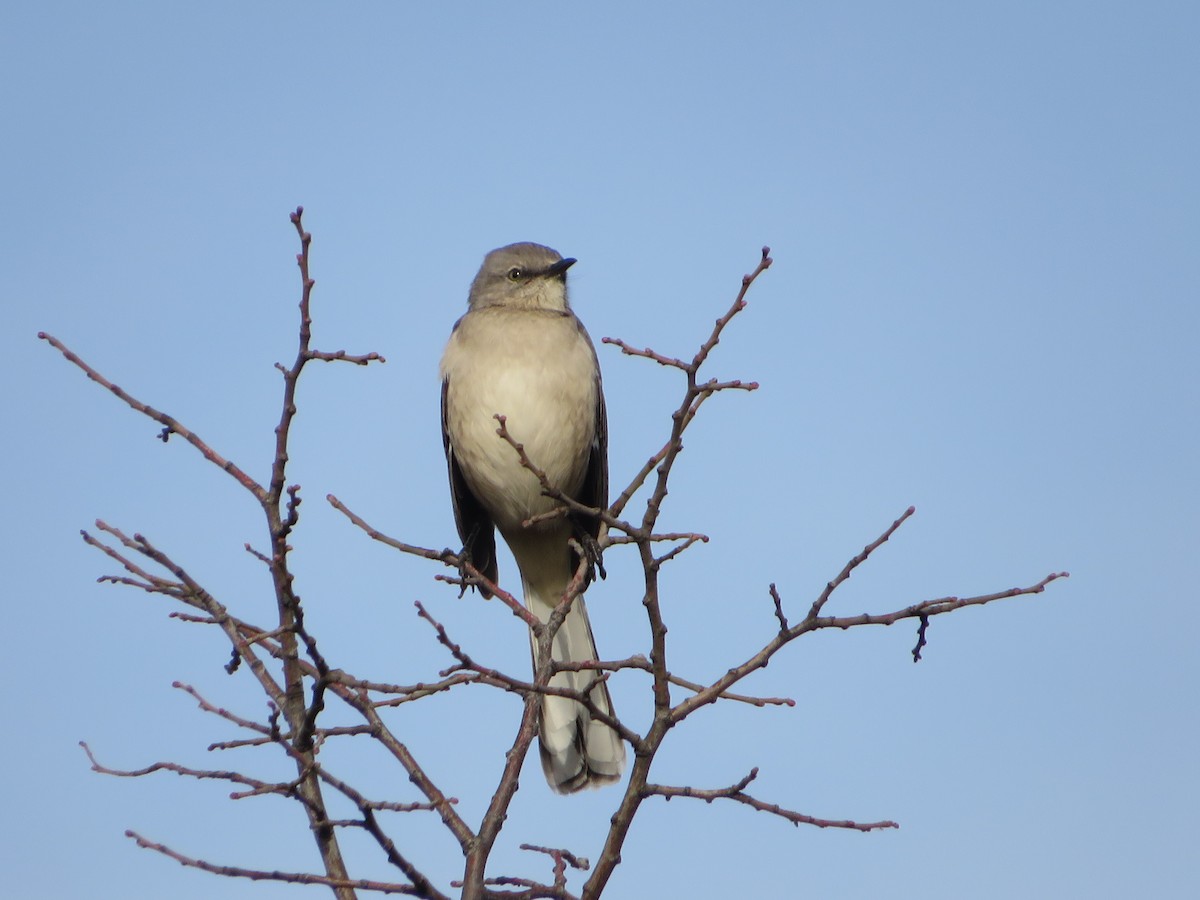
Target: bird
(521,353)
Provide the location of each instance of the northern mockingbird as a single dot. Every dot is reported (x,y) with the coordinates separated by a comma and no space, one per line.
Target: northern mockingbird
(520,352)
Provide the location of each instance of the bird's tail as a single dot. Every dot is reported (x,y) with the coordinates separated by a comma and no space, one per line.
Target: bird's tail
(577,751)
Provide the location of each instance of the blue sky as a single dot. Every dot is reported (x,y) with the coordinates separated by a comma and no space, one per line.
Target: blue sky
(984,303)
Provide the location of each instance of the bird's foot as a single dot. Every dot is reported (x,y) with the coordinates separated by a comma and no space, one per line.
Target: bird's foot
(593,554)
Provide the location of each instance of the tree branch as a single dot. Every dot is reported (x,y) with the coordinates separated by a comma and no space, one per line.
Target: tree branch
(339,885)
(299,694)
(736,792)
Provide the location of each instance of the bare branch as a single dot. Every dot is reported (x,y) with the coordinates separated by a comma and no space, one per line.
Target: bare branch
(570,504)
(259,556)
(322,733)
(420,691)
(925,609)
(446,556)
(344,884)
(664,459)
(921,629)
(646,353)
(854,563)
(360,359)
(664,716)
(675,551)
(575,862)
(659,538)
(298,696)
(172,425)
(220,711)
(929,608)
(258,787)
(783,622)
(736,792)
(641,663)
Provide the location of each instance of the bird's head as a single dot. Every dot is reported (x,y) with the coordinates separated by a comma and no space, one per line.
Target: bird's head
(526,276)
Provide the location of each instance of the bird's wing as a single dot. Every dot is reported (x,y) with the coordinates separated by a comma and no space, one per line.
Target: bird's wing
(475,528)
(594,491)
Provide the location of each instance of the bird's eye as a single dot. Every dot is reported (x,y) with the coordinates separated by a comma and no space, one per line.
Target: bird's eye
(516,273)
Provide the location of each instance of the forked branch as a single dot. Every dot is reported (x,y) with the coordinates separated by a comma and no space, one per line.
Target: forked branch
(299,682)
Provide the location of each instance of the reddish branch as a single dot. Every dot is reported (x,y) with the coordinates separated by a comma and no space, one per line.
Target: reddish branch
(473,575)
(172,425)
(737,793)
(256,786)
(340,885)
(298,681)
(857,561)
(281,517)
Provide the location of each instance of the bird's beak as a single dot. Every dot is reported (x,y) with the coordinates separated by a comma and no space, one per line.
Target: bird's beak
(559,268)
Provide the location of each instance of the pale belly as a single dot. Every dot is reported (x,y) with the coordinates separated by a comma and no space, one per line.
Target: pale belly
(543,381)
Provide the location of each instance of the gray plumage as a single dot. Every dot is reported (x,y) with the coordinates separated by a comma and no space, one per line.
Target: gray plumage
(521,352)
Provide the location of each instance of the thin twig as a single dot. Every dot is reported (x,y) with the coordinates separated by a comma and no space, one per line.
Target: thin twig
(736,792)
(172,425)
(344,884)
(856,561)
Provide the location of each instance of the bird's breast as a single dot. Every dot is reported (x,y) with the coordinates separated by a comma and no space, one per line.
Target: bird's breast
(538,370)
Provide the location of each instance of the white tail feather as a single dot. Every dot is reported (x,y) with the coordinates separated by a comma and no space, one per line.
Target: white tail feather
(577,751)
